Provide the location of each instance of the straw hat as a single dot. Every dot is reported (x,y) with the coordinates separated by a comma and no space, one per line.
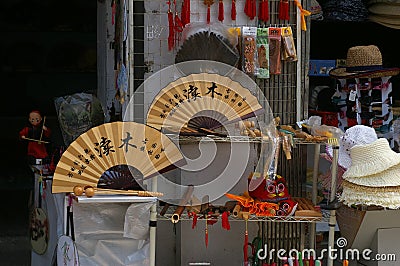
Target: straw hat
(385,8)
(387,197)
(355,135)
(371,159)
(363,61)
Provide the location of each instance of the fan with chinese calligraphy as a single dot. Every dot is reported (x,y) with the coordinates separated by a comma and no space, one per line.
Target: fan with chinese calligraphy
(89,159)
(201,100)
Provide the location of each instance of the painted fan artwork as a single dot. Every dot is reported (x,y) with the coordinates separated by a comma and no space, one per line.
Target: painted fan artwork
(202,100)
(96,157)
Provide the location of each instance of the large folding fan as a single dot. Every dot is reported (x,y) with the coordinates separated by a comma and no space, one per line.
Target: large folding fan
(89,158)
(201,101)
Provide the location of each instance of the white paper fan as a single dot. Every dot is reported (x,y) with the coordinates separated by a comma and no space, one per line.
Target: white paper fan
(119,143)
(202,100)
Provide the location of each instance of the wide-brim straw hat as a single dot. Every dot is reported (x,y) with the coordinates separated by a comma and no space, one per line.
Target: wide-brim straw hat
(363,61)
(391,8)
(386,21)
(355,135)
(353,194)
(387,178)
(371,159)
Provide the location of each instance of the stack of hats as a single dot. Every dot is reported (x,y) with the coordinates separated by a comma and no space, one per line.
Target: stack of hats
(373,179)
(344,10)
(355,135)
(385,12)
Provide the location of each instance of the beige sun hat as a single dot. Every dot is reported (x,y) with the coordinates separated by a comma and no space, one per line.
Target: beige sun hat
(363,61)
(387,197)
(355,135)
(385,8)
(371,159)
(387,178)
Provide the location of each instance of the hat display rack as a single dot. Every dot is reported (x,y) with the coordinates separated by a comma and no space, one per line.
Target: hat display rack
(368,90)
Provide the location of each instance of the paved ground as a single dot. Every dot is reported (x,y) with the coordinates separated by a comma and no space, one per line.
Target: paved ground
(14,226)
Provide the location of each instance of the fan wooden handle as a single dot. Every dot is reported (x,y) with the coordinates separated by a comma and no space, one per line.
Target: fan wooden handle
(90,191)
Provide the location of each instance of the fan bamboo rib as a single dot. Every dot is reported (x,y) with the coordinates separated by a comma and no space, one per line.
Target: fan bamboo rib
(183,99)
(112,144)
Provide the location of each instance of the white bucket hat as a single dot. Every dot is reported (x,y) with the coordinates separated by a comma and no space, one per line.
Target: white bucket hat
(355,135)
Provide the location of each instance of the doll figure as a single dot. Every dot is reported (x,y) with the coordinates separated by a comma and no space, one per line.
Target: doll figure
(37,135)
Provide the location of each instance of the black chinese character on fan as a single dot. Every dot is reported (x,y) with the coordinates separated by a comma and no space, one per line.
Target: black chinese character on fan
(103,147)
(125,142)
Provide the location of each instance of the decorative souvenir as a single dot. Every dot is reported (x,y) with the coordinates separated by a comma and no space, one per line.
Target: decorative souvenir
(111,144)
(201,101)
(37,135)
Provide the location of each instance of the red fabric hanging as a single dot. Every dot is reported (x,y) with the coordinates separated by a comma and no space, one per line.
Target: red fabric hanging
(283,10)
(233,10)
(221,10)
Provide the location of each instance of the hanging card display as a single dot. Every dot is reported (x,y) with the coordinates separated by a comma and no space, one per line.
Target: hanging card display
(274,41)
(249,49)
(262,53)
(289,48)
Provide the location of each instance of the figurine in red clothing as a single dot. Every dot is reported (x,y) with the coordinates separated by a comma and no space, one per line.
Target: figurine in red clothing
(37,135)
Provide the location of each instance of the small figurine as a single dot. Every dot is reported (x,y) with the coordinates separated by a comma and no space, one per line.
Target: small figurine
(37,135)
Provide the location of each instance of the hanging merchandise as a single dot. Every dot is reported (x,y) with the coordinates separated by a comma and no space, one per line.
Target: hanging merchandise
(208,3)
(171,34)
(122,84)
(289,48)
(249,49)
(283,13)
(212,41)
(178,25)
(221,10)
(262,53)
(263,11)
(185,12)
(303,13)
(113,12)
(250,9)
(233,10)
(118,143)
(39,223)
(201,101)
(274,41)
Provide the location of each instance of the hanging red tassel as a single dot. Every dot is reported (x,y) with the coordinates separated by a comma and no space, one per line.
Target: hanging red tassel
(178,27)
(113,12)
(171,30)
(194,220)
(225,221)
(250,9)
(260,10)
(283,10)
(245,252)
(171,33)
(206,232)
(221,10)
(208,3)
(263,12)
(185,12)
(253,9)
(233,10)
